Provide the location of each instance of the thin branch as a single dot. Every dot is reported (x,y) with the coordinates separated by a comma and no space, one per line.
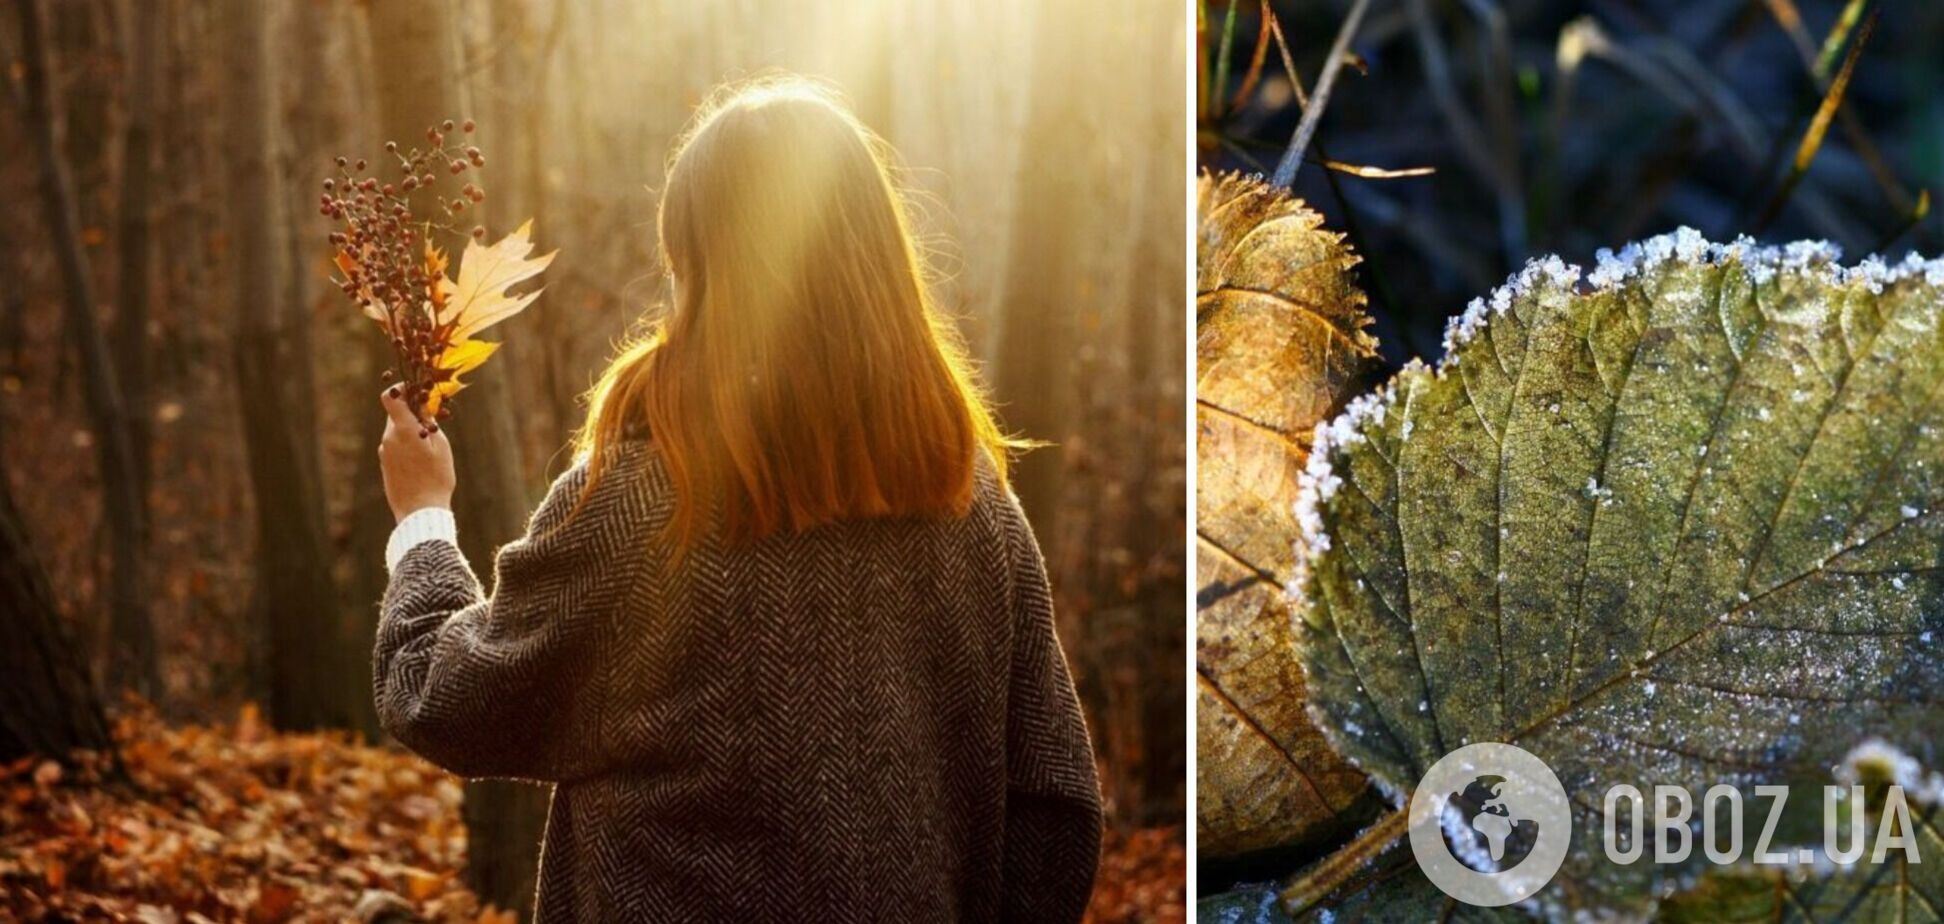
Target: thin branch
(1315,884)
(1254,74)
(1288,62)
(1379,289)
(1320,100)
(1790,19)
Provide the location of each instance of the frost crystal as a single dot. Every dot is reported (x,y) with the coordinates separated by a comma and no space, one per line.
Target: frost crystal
(1550,269)
(1871,273)
(1320,481)
(1685,245)
(1914,265)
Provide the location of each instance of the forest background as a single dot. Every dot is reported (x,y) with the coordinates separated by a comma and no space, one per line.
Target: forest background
(191,502)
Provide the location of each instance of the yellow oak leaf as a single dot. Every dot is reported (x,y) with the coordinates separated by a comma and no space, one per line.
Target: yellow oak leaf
(478,298)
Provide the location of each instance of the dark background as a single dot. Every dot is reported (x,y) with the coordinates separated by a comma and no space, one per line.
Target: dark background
(1684,113)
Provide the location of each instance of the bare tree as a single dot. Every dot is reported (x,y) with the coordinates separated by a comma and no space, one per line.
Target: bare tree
(296,598)
(133,650)
(415,46)
(132,214)
(47,704)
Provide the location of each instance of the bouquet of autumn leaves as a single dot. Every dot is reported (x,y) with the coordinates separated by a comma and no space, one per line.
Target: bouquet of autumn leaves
(398,276)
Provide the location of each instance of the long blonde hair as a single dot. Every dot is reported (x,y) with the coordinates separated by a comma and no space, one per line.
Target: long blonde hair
(804,374)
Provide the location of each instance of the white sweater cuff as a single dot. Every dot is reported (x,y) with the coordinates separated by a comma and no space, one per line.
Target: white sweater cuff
(426,524)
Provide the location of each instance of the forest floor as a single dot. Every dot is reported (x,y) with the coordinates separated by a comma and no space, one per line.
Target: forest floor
(237,822)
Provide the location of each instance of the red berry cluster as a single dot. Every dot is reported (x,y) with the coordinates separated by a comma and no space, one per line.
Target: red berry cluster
(383,248)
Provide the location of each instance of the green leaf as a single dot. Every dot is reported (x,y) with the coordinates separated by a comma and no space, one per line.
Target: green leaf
(1679,524)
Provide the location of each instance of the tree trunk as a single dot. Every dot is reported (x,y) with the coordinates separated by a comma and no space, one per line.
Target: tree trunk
(296,599)
(416,49)
(47,704)
(511,131)
(83,44)
(309,109)
(1043,289)
(133,652)
(132,311)
(314,90)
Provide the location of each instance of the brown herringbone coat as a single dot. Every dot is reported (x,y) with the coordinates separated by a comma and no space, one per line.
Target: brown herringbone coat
(870,721)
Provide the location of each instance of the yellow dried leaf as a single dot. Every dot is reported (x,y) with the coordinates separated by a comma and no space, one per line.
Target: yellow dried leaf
(1280,343)
(478,299)
(457,360)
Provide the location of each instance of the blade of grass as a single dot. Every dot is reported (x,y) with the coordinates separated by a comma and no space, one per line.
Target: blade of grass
(1493,163)
(1372,173)
(1790,20)
(1292,158)
(1852,11)
(1500,87)
(1818,126)
(1241,152)
(1671,69)
(1464,130)
(1222,60)
(1569,53)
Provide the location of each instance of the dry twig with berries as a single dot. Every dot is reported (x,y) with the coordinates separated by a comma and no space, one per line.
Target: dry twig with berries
(396,273)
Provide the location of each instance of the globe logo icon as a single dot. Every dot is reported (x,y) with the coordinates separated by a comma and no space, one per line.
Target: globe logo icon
(1490,824)
(1505,835)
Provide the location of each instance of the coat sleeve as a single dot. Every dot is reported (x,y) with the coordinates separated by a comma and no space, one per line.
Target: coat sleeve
(509,685)
(1053,816)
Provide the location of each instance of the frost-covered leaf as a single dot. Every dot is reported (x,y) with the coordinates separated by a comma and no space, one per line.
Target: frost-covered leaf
(1280,344)
(1683,525)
